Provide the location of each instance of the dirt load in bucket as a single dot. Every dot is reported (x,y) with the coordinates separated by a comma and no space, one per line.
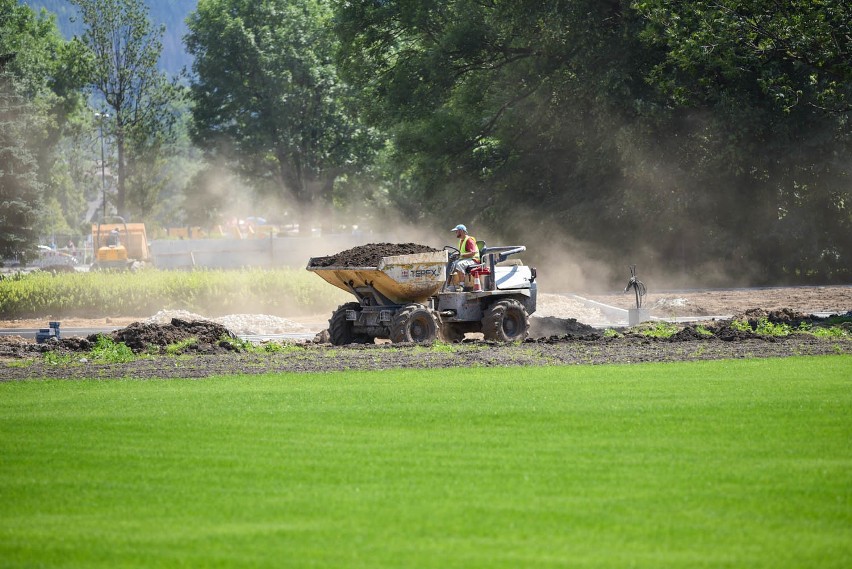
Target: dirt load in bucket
(369,255)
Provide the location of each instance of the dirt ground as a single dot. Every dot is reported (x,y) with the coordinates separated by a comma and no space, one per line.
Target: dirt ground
(807,299)
(559,336)
(726,302)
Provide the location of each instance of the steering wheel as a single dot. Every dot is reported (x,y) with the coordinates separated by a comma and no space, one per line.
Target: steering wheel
(452,253)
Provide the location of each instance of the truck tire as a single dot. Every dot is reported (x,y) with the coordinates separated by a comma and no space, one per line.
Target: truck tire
(506,321)
(342,331)
(414,323)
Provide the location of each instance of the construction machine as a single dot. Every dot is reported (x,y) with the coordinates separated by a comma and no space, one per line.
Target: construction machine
(408,298)
(119,246)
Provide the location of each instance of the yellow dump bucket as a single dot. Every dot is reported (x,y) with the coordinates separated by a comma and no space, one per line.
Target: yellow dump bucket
(402,278)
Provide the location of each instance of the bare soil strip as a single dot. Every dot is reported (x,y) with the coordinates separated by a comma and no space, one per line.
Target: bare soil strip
(558,338)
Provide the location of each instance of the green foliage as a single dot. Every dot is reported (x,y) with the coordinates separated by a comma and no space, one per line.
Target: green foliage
(170,14)
(830,332)
(693,133)
(19,186)
(839,320)
(267,96)
(711,464)
(767,328)
(794,44)
(180,347)
(246,346)
(141,102)
(773,82)
(40,76)
(703,330)
(443,347)
(59,358)
(283,292)
(827,329)
(725,120)
(236,344)
(660,330)
(106,350)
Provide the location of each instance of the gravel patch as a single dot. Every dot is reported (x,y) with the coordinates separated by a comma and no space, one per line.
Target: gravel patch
(237,324)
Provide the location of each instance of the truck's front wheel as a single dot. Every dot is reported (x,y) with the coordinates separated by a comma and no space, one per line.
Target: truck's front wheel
(414,323)
(342,331)
(506,321)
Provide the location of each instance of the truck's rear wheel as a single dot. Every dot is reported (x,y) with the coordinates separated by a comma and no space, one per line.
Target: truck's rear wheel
(342,331)
(414,323)
(506,321)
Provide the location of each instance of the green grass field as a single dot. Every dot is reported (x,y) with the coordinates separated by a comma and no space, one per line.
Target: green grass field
(710,464)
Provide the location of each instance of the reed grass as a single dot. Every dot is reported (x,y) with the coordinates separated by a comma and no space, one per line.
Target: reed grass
(283,292)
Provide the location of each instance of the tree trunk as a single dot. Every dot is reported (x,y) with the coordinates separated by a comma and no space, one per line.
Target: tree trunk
(120,196)
(293,183)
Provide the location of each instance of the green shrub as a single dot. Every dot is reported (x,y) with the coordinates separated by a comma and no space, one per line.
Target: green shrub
(832,332)
(661,330)
(282,292)
(180,347)
(106,350)
(767,328)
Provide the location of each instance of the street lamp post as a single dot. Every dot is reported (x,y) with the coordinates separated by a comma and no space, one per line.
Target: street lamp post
(102,116)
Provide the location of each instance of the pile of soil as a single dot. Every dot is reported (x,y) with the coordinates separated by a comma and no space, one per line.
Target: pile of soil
(369,255)
(549,326)
(783,316)
(199,336)
(208,335)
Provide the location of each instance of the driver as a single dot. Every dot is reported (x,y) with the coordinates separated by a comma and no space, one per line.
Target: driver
(468,253)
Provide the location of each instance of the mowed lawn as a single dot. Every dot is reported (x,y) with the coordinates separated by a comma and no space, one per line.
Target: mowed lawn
(709,464)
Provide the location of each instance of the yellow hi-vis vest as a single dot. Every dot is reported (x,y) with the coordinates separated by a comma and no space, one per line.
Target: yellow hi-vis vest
(463,241)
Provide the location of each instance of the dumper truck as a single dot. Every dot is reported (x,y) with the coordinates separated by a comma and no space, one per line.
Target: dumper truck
(119,246)
(407,298)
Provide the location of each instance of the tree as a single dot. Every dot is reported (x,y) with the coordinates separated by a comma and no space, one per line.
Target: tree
(267,97)
(19,186)
(499,108)
(40,77)
(139,98)
(690,135)
(774,80)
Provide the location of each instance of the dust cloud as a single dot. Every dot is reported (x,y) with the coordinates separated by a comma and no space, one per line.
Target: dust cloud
(564,261)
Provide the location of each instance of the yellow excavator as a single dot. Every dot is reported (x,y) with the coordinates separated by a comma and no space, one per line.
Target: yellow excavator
(119,246)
